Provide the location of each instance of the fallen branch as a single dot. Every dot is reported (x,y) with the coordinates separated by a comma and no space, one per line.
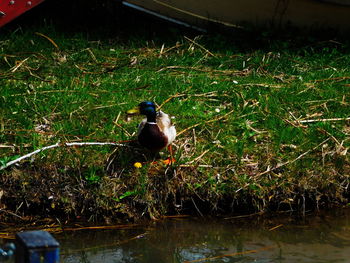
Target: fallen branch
(58,144)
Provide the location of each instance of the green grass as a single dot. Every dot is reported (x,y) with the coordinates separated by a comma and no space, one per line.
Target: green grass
(243,102)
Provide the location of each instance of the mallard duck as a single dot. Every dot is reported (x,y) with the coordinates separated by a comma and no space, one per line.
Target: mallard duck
(156,131)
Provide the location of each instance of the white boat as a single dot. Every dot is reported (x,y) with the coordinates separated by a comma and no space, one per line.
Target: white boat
(236,13)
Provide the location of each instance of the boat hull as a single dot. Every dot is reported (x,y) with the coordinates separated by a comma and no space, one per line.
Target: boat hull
(235,13)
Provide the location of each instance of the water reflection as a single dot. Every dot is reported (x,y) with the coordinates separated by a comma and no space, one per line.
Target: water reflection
(317,238)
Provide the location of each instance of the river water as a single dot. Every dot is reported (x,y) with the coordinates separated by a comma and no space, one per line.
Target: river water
(322,237)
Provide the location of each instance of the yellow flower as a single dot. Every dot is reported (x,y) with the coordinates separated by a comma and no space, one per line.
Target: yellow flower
(137,165)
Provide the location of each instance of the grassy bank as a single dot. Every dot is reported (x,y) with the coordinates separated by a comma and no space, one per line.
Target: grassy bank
(263,125)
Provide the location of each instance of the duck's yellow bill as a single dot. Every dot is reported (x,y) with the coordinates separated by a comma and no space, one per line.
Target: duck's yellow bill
(133,111)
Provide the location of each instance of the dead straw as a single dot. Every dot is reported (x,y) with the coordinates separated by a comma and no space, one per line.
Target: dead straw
(294,160)
(206,122)
(200,46)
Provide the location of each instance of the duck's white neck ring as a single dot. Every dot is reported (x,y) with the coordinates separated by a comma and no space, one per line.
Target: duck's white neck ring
(153,123)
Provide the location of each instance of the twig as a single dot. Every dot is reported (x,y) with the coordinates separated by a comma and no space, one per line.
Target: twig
(7,146)
(210,121)
(139,88)
(244,216)
(317,101)
(198,165)
(105,106)
(175,216)
(91,143)
(123,129)
(171,48)
(52,91)
(14,69)
(275,227)
(340,148)
(16,132)
(117,119)
(200,46)
(336,78)
(194,137)
(66,229)
(196,207)
(224,72)
(294,160)
(178,95)
(28,155)
(92,55)
(49,39)
(324,120)
(161,50)
(330,135)
(199,157)
(170,98)
(58,144)
(11,213)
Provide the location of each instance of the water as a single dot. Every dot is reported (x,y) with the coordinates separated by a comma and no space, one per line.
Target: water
(314,238)
(320,238)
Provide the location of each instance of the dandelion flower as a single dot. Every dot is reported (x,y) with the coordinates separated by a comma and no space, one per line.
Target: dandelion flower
(137,165)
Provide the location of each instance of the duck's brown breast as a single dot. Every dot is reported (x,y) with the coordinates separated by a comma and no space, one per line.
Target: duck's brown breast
(152,137)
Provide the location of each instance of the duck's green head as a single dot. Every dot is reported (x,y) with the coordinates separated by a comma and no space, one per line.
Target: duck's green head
(145,108)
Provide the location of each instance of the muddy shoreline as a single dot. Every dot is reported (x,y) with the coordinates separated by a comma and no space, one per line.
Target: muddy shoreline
(32,194)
